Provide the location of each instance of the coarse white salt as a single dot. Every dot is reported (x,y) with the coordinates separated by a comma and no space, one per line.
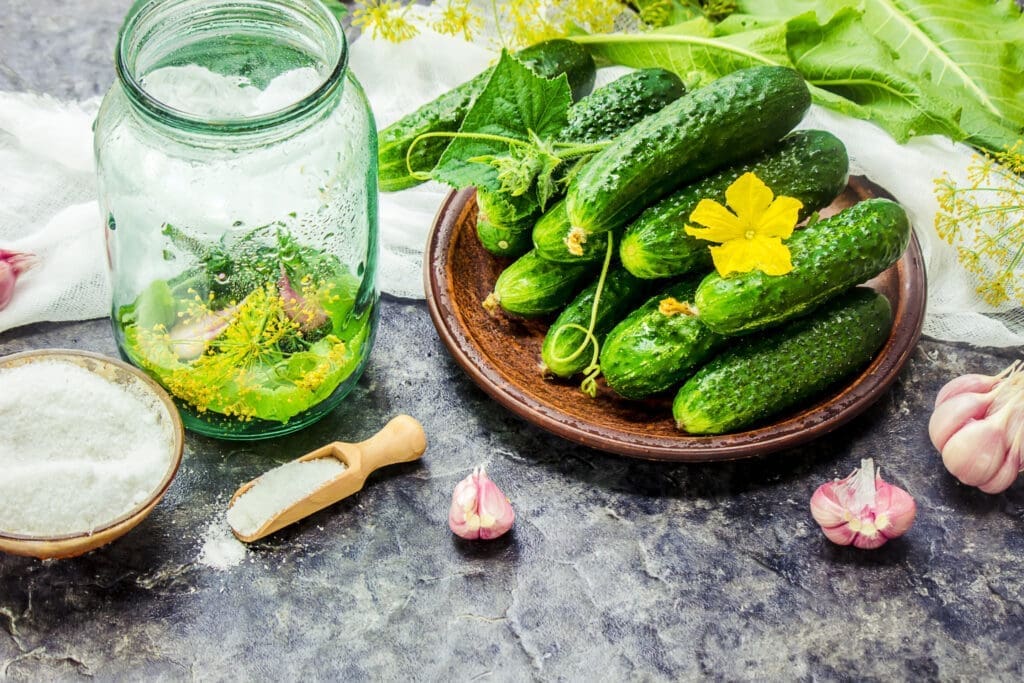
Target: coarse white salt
(279,489)
(76,451)
(220,549)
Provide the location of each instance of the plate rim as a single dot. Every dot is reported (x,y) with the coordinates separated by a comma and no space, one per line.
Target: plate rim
(770,438)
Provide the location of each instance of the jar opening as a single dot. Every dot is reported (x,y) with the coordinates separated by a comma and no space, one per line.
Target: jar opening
(230,65)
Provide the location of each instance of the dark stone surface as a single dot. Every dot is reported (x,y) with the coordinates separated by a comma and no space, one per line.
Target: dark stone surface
(616,569)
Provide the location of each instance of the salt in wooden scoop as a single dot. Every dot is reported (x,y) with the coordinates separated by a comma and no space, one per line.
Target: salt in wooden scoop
(329,474)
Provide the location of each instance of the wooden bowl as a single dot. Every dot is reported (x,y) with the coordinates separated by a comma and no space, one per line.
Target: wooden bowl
(502,355)
(116,372)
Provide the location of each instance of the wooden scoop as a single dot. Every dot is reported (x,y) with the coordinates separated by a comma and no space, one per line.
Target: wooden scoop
(401,440)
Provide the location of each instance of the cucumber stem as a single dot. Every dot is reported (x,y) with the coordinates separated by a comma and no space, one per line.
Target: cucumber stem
(589,384)
(563,151)
(425,175)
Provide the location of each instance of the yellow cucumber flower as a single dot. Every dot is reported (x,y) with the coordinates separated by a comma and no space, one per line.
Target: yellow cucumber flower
(750,236)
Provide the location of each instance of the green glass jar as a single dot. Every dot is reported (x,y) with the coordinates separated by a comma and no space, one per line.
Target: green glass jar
(237,170)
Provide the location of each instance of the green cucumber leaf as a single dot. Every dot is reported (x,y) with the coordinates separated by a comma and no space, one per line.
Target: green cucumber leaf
(515,104)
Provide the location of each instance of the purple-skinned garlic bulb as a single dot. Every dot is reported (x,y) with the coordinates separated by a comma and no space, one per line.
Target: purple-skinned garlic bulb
(479,509)
(862,510)
(978,427)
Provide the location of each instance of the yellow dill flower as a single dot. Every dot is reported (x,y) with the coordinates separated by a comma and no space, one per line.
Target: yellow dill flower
(519,22)
(751,238)
(456,18)
(595,16)
(984,220)
(655,13)
(253,335)
(385,19)
(529,22)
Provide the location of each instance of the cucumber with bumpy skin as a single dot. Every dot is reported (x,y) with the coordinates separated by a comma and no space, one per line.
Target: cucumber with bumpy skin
(555,239)
(732,118)
(766,375)
(620,293)
(500,240)
(614,108)
(445,113)
(658,345)
(504,222)
(809,165)
(531,286)
(828,257)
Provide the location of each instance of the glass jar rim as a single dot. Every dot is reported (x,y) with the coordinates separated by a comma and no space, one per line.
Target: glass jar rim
(180,118)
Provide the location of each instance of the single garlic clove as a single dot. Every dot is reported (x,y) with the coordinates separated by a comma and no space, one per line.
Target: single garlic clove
(899,508)
(479,509)
(189,340)
(308,314)
(954,413)
(966,384)
(1004,476)
(462,517)
(975,453)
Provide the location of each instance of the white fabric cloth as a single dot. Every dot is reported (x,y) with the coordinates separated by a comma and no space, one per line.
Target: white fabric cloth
(48,207)
(46,186)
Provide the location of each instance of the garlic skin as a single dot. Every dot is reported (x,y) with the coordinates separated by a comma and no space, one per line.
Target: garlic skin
(189,340)
(308,314)
(12,265)
(479,509)
(978,427)
(862,510)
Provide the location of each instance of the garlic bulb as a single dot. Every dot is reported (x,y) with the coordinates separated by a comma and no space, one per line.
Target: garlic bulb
(479,509)
(862,510)
(978,426)
(12,265)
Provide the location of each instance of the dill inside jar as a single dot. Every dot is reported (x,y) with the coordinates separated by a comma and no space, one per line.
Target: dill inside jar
(237,164)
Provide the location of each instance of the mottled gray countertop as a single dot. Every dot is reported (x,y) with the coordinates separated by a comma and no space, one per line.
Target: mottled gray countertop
(616,569)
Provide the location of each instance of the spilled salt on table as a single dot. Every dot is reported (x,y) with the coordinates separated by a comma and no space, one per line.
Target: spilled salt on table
(221,550)
(77,451)
(279,489)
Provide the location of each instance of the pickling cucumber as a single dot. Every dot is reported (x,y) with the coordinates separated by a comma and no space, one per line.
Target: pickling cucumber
(621,292)
(828,257)
(765,375)
(531,286)
(601,115)
(658,345)
(614,108)
(555,239)
(504,222)
(810,165)
(501,240)
(733,118)
(445,113)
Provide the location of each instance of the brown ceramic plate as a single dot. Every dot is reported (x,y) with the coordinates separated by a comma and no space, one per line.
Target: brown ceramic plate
(502,355)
